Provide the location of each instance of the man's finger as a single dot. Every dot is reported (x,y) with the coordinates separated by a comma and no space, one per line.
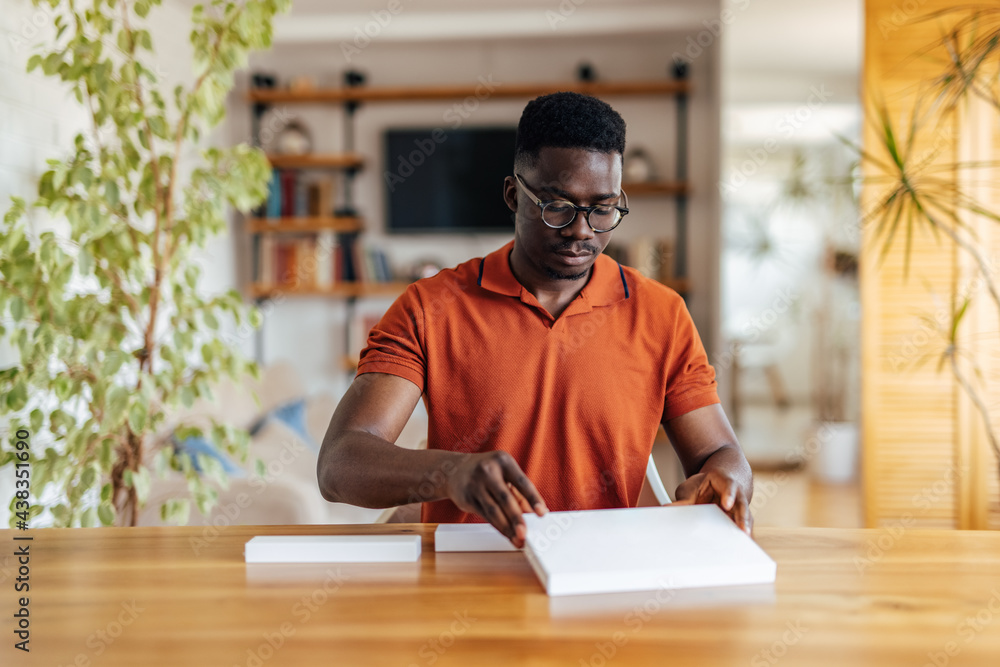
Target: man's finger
(508,505)
(488,509)
(742,512)
(521,500)
(520,481)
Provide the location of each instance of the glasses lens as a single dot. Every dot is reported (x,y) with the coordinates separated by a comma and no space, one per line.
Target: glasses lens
(558,213)
(604,217)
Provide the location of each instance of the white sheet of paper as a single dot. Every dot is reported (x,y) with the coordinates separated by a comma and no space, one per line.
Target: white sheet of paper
(470,537)
(642,549)
(333,549)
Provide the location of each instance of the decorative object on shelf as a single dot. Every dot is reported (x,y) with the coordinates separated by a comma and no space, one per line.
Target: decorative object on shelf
(263,81)
(294,139)
(302,83)
(638,167)
(585,72)
(353,78)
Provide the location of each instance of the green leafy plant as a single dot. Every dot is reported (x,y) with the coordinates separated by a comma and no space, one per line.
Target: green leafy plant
(921,191)
(103,309)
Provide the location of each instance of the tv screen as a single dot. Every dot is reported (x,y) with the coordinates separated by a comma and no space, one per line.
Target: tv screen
(440,180)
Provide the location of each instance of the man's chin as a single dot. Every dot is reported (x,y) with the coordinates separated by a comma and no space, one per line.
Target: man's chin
(555,274)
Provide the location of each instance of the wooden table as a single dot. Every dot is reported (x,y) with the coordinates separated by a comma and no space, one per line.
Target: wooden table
(183,596)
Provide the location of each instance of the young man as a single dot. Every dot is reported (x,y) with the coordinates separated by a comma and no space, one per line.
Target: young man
(546,367)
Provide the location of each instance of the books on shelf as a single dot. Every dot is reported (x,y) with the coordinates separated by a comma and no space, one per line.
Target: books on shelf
(316,260)
(291,194)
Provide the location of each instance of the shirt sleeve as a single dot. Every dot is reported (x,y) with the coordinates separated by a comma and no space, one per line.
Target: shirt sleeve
(690,378)
(396,344)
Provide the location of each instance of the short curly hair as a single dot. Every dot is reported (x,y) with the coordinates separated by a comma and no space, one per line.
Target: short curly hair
(567,120)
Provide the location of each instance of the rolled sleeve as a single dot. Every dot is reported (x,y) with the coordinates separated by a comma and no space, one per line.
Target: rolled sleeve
(395,345)
(690,378)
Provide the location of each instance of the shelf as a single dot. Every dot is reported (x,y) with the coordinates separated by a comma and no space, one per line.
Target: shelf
(340,290)
(303,224)
(317,161)
(446,92)
(674,188)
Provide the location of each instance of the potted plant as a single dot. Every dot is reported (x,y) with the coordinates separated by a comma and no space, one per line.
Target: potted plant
(103,309)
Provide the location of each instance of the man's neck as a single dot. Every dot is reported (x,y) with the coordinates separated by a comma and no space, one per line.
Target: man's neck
(554,294)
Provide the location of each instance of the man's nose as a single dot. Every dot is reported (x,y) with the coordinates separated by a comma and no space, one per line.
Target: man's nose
(579,228)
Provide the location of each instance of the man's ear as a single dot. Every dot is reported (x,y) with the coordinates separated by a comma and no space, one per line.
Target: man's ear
(510,193)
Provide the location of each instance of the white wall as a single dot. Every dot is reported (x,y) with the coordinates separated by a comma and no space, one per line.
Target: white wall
(309,331)
(39,118)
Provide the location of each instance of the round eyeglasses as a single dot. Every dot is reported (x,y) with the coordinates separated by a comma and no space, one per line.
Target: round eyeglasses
(558,213)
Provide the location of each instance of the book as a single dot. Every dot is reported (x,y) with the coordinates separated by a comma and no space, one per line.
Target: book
(266,267)
(642,549)
(470,537)
(333,549)
(285,263)
(273,208)
(288,180)
(320,195)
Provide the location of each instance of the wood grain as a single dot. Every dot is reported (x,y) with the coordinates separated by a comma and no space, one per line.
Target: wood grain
(183,596)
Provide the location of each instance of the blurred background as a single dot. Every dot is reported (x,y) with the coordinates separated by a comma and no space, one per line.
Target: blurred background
(738,175)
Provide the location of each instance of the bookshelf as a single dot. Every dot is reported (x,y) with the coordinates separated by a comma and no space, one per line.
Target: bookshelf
(345,223)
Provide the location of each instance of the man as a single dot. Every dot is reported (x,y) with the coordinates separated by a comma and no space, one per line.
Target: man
(546,367)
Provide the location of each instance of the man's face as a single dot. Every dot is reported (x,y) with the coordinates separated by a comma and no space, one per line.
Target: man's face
(577,175)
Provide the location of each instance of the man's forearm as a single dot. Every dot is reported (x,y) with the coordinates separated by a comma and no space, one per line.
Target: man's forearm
(362,469)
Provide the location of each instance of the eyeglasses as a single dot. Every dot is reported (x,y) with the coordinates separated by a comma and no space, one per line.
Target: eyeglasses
(558,213)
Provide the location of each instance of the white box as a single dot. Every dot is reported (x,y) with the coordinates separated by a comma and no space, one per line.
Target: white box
(640,549)
(333,549)
(470,537)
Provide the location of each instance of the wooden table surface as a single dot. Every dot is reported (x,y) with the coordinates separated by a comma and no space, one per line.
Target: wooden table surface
(184,596)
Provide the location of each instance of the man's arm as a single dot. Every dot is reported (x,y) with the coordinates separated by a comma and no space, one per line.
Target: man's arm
(717,471)
(360,464)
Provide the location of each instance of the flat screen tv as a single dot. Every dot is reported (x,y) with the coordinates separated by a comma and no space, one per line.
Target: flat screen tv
(448,180)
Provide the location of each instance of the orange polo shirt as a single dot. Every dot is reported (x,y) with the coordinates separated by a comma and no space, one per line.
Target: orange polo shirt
(575,400)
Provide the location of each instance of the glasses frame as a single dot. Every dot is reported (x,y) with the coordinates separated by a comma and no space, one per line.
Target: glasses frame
(623,210)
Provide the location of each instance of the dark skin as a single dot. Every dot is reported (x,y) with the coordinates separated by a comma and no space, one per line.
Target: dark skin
(359,464)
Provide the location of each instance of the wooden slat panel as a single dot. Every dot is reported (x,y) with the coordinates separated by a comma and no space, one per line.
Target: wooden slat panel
(925,451)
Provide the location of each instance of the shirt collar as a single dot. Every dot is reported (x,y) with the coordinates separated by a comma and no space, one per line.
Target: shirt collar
(607,284)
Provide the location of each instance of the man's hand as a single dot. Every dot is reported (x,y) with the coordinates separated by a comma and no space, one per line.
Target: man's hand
(715,487)
(493,486)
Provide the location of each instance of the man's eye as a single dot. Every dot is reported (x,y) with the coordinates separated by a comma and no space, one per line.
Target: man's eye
(603,211)
(558,207)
